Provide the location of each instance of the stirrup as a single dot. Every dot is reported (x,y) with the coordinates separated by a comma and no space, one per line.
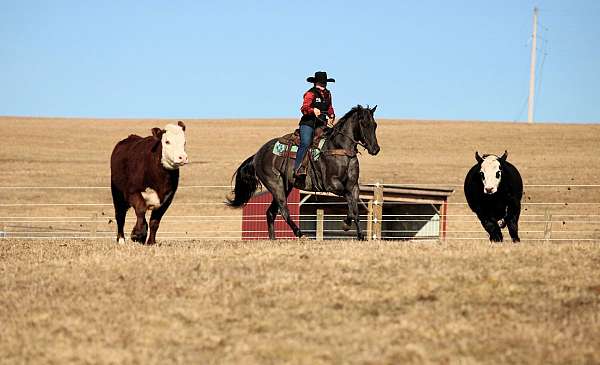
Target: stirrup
(300,171)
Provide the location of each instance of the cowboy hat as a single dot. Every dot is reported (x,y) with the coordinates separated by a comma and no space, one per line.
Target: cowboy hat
(320,76)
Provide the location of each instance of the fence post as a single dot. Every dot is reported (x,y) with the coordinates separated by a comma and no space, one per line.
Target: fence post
(370,221)
(377,211)
(320,216)
(547,226)
(93,225)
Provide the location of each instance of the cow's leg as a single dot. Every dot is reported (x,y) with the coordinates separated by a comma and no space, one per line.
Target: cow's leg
(155,218)
(512,220)
(140,230)
(353,216)
(271,215)
(120,214)
(492,228)
(121,207)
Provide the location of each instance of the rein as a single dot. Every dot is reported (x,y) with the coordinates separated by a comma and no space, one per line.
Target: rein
(363,145)
(354,141)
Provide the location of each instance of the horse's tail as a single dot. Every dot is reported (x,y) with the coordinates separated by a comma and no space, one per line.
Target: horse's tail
(246,184)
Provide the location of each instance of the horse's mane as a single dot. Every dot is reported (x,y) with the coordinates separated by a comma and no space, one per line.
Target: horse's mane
(346,116)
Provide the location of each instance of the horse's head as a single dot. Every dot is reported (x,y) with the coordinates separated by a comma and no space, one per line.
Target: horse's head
(367,127)
(490,171)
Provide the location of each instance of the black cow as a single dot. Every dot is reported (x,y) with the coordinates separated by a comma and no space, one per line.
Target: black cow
(493,188)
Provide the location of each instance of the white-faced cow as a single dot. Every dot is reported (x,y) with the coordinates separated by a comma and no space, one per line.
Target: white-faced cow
(145,175)
(493,188)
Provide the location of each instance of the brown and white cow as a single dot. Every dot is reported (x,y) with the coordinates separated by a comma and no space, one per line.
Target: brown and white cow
(145,175)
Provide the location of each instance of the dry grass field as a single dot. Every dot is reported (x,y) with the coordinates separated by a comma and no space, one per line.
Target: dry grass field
(202,300)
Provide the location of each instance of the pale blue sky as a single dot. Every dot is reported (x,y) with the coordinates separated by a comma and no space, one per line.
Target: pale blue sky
(195,59)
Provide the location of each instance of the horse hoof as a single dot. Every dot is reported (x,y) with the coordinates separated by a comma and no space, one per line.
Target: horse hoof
(346,227)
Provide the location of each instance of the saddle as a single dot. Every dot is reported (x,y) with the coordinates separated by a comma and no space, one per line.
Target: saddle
(294,138)
(286,148)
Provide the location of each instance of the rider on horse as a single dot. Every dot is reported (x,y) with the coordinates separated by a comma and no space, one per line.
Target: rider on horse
(316,107)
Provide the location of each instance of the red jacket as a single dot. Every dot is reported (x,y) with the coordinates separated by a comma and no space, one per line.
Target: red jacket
(309,97)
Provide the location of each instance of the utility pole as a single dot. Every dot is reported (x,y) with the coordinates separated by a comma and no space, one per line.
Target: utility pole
(530,103)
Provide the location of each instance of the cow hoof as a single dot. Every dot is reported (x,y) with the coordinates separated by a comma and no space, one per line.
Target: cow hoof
(496,238)
(361,237)
(516,240)
(121,240)
(140,238)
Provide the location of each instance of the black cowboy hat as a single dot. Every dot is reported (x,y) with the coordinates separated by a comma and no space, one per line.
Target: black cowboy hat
(320,76)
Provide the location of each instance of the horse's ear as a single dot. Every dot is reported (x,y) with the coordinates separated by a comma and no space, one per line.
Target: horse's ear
(478,158)
(504,156)
(373,110)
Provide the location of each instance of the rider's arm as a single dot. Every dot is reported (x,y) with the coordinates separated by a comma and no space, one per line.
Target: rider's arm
(307,102)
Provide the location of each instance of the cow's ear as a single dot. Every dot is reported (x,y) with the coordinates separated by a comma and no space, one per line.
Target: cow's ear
(504,156)
(182,125)
(478,158)
(157,132)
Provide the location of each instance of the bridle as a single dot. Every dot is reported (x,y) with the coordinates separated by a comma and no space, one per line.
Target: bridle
(363,145)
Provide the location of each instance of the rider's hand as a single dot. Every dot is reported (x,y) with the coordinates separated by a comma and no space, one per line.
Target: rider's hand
(316,111)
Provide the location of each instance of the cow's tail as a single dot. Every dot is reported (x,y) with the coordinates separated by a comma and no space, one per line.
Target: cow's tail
(246,184)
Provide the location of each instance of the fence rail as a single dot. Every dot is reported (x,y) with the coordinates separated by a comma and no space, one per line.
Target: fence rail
(450,185)
(305,203)
(585,227)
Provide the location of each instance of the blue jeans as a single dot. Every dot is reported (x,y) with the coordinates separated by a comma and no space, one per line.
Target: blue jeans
(306,136)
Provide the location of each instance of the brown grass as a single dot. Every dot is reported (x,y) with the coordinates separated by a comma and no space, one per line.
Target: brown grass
(212,301)
(298,302)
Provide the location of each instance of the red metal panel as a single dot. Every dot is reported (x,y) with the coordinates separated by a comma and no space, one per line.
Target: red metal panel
(254,220)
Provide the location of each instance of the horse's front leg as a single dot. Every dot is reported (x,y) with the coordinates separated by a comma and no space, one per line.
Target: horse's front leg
(353,215)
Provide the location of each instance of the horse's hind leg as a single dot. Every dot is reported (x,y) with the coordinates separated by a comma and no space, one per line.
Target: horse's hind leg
(271,215)
(285,213)
(280,197)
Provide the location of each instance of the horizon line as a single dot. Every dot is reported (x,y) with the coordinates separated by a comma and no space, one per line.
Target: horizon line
(407,119)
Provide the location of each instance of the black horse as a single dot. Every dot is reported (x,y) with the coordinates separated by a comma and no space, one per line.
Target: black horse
(336,171)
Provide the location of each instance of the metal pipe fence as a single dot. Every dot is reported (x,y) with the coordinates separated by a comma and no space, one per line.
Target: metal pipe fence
(13,225)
